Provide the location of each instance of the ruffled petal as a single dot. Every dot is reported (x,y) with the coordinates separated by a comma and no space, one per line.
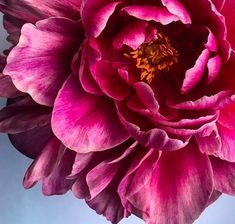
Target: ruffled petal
(224,175)
(176,193)
(148,13)
(84,122)
(38,69)
(43,165)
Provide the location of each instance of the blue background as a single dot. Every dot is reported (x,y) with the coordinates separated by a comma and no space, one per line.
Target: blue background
(20,206)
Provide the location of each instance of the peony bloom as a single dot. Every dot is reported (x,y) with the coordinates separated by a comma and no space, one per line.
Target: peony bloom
(128,104)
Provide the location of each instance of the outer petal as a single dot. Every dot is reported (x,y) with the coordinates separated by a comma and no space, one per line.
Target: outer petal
(84,122)
(23,115)
(40,62)
(7,88)
(224,175)
(43,165)
(228,12)
(33,10)
(176,193)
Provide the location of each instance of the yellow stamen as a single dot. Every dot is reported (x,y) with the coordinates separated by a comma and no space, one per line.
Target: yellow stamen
(153,57)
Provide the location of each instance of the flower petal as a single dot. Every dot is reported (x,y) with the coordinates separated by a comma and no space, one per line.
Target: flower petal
(224,175)
(148,13)
(38,69)
(23,115)
(95,23)
(84,122)
(43,165)
(228,12)
(177,193)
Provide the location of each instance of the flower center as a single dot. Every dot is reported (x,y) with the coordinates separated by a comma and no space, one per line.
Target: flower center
(153,57)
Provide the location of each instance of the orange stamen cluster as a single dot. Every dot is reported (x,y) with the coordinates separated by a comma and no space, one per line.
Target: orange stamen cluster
(153,57)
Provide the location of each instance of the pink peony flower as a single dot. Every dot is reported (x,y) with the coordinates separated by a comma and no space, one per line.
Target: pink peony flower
(128,104)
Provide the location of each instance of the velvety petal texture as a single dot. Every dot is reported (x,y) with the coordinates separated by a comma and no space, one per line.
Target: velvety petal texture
(128,104)
(53,64)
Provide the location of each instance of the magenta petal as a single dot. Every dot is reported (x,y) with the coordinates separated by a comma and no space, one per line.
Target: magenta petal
(156,138)
(109,204)
(213,65)
(132,35)
(84,122)
(57,182)
(224,175)
(194,74)
(43,165)
(38,69)
(106,76)
(107,169)
(148,13)
(177,193)
(228,12)
(97,22)
(176,8)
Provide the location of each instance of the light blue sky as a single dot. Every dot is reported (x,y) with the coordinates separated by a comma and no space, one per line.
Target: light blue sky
(18,206)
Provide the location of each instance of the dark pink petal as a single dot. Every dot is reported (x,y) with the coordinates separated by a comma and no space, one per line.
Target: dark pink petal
(132,35)
(179,188)
(57,182)
(34,10)
(211,144)
(23,116)
(214,196)
(107,169)
(85,122)
(228,12)
(38,69)
(176,8)
(194,74)
(32,142)
(224,175)
(148,13)
(96,23)
(153,137)
(106,76)
(225,125)
(86,79)
(43,165)
(202,103)
(108,203)
(7,88)
(219,3)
